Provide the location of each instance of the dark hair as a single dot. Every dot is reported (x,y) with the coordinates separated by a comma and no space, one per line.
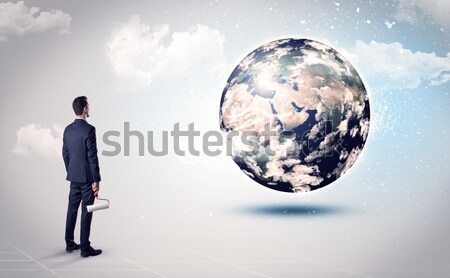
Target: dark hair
(78,105)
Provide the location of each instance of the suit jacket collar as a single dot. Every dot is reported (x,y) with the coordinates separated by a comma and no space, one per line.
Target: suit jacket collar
(79,121)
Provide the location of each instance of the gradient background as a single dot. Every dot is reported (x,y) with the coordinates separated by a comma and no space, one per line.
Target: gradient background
(201,216)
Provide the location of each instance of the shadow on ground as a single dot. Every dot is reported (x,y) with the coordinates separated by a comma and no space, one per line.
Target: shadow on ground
(292,210)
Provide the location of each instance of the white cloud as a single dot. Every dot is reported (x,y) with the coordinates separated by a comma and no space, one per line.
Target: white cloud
(391,66)
(414,11)
(18,19)
(33,140)
(138,53)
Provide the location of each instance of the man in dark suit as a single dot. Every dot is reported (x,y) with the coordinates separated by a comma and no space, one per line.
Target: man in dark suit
(81,161)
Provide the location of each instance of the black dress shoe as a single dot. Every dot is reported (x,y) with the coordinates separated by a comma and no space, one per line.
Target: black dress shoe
(71,247)
(90,252)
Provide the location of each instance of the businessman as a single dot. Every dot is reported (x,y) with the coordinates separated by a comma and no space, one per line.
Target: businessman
(80,158)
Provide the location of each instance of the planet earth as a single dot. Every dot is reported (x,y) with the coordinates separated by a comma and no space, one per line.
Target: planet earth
(314,104)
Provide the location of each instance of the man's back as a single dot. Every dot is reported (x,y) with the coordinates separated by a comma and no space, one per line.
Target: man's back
(80,152)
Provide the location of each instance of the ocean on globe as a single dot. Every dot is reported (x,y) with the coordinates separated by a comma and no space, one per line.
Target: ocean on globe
(313,102)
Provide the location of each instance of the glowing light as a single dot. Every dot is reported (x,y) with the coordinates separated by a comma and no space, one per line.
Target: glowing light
(265,80)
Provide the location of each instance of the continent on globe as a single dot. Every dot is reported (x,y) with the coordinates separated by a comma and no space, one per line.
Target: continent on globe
(313,100)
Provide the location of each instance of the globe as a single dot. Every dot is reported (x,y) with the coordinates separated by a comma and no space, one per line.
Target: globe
(299,113)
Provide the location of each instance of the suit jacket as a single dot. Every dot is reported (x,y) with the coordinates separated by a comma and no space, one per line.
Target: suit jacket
(80,152)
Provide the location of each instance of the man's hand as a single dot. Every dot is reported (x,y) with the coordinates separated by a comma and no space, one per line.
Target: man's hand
(96,188)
